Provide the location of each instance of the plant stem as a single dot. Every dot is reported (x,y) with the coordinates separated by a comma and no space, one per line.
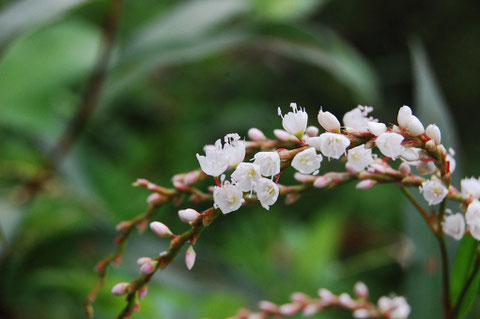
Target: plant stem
(419,207)
(465,288)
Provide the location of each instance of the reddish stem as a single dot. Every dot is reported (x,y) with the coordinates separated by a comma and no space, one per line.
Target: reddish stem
(218,182)
(278,176)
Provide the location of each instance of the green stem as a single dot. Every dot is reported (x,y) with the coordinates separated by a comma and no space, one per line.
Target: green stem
(444,258)
(465,288)
(420,209)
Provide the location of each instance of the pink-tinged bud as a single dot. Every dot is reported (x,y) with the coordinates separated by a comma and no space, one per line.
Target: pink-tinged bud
(434,133)
(160,229)
(304,178)
(346,301)
(142,292)
(255,134)
(190,257)
(143,260)
(120,288)
(376,128)
(299,297)
(404,168)
(321,182)
(282,135)
(148,267)
(361,290)
(328,121)
(291,198)
(379,168)
(365,184)
(188,215)
(443,151)
(327,296)
(192,177)
(136,308)
(142,225)
(350,168)
(123,226)
(268,306)
(404,115)
(154,198)
(312,131)
(310,310)
(141,182)
(361,314)
(289,309)
(424,168)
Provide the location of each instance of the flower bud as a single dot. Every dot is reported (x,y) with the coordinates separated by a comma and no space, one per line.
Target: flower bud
(136,308)
(142,292)
(328,121)
(268,306)
(346,301)
(302,178)
(190,257)
(188,215)
(160,229)
(424,168)
(404,168)
(377,128)
(282,135)
(120,288)
(434,133)
(123,226)
(361,314)
(299,297)
(143,260)
(191,177)
(415,126)
(255,134)
(404,115)
(322,181)
(154,198)
(312,131)
(289,309)
(430,146)
(366,184)
(310,310)
(361,290)
(148,267)
(327,296)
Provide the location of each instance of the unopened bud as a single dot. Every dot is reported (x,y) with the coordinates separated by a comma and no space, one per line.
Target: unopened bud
(377,167)
(404,115)
(328,121)
(321,182)
(361,314)
(442,150)
(289,309)
(143,260)
(312,131)
(431,146)
(148,267)
(366,184)
(327,296)
(310,310)
(190,257)
(291,198)
(377,128)
(282,135)
(255,134)
(160,229)
(120,288)
(434,133)
(188,215)
(299,297)
(345,300)
(123,226)
(268,306)
(302,178)
(136,308)
(254,316)
(154,198)
(361,290)
(192,177)
(141,182)
(404,168)
(142,292)
(350,168)
(424,168)
(415,126)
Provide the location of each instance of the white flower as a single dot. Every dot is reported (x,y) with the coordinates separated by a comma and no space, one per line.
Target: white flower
(404,115)
(474,228)
(328,121)
(188,215)
(245,175)
(470,187)
(377,128)
(411,154)
(390,144)
(267,192)
(409,122)
(473,211)
(269,163)
(295,122)
(215,161)
(255,134)
(433,191)
(357,118)
(307,161)
(360,157)
(424,168)
(228,198)
(396,307)
(454,226)
(434,133)
(331,145)
(234,149)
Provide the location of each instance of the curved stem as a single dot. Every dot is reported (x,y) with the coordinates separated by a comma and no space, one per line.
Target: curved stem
(420,209)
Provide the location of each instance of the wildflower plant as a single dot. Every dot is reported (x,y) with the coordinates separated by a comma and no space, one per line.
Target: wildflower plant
(247,172)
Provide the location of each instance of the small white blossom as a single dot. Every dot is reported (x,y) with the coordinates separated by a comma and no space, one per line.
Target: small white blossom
(307,161)
(234,148)
(434,133)
(433,191)
(215,161)
(390,144)
(227,198)
(377,128)
(357,118)
(294,122)
(454,226)
(255,134)
(404,115)
(269,163)
(245,175)
(470,187)
(409,122)
(331,145)
(474,228)
(312,131)
(396,307)
(473,211)
(328,121)
(360,157)
(267,192)
(424,168)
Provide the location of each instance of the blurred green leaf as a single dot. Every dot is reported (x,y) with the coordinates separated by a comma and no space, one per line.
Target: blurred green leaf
(280,10)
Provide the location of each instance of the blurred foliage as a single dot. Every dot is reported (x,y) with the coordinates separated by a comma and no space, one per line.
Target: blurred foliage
(183,74)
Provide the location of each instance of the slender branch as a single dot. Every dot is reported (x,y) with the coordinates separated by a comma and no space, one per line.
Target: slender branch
(444,258)
(420,209)
(465,288)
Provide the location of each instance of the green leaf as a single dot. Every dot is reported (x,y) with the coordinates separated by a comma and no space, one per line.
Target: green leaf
(278,10)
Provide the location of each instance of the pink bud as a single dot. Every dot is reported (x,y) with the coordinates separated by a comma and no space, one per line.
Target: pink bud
(160,229)
(191,177)
(141,261)
(322,181)
(289,309)
(361,314)
(361,290)
(312,131)
(310,310)
(136,308)
(123,226)
(377,167)
(282,135)
(404,168)
(141,182)
(154,198)
(327,296)
(304,178)
(188,215)
(346,301)
(255,134)
(299,297)
(120,288)
(190,257)
(365,184)
(142,292)
(328,121)
(148,267)
(268,306)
